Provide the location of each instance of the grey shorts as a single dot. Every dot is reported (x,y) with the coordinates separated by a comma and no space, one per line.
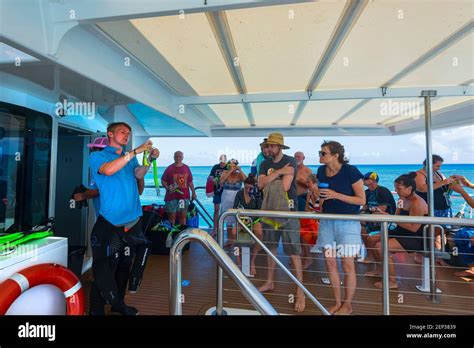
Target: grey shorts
(177,205)
(289,234)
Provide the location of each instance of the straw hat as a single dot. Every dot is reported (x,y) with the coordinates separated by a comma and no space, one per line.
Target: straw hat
(277,139)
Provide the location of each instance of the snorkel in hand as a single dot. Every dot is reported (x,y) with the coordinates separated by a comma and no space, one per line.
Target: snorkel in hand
(146,162)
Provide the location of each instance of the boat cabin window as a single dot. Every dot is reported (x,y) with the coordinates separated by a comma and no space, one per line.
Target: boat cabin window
(25,151)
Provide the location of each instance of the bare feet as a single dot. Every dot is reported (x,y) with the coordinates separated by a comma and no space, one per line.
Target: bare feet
(392,285)
(441,262)
(335,308)
(346,309)
(268,286)
(466,273)
(307,263)
(253,270)
(368,260)
(300,303)
(375,273)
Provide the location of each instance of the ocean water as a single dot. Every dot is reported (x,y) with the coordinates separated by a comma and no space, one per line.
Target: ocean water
(387,174)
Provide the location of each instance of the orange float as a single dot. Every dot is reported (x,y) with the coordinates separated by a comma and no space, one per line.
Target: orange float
(47,273)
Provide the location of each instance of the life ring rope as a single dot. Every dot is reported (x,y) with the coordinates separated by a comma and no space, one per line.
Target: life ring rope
(21,280)
(73,290)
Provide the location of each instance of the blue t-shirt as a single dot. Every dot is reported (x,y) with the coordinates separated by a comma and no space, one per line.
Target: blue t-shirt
(118,193)
(341,183)
(95,200)
(255,167)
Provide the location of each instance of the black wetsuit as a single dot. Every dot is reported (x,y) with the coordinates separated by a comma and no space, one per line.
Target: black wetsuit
(410,241)
(113,251)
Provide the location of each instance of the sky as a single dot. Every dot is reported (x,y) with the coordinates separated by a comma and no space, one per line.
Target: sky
(455,145)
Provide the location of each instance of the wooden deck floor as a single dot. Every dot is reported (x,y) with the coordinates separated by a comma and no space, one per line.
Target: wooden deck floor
(200,270)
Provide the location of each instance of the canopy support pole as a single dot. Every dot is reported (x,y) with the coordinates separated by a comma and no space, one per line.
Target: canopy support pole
(427,95)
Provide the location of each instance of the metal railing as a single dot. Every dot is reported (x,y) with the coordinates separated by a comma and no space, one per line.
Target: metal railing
(278,262)
(383,219)
(223,260)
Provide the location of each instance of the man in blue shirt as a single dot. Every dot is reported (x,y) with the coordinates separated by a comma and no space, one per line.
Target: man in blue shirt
(117,233)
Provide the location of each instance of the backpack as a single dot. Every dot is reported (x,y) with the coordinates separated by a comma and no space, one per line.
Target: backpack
(275,198)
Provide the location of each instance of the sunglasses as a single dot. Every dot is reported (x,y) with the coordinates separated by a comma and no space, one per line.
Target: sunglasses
(323,153)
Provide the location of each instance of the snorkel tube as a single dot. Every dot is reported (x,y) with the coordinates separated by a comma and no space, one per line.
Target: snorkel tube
(146,162)
(155,178)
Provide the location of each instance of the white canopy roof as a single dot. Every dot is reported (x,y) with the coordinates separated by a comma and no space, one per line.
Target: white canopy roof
(244,68)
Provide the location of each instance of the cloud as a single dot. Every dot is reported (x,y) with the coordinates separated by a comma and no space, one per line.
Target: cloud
(455,144)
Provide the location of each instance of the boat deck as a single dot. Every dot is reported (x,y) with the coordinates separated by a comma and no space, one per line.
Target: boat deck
(200,270)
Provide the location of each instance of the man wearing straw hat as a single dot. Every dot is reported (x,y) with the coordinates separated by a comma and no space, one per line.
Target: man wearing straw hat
(277,179)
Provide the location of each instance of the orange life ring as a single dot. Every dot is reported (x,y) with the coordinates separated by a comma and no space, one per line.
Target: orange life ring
(46,273)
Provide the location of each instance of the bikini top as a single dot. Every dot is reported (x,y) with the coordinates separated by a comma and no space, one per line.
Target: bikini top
(234,186)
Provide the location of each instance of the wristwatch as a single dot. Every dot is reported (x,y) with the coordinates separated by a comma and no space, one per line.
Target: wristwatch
(135,152)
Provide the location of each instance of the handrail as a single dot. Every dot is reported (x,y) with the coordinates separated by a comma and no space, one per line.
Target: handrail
(282,266)
(203,209)
(384,219)
(252,294)
(359,217)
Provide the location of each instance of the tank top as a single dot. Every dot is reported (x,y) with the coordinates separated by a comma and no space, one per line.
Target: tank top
(441,199)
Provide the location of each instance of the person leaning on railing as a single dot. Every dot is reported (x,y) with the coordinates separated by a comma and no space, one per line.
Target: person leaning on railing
(406,237)
(339,238)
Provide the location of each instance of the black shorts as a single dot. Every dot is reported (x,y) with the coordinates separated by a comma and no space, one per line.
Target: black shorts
(217,197)
(410,241)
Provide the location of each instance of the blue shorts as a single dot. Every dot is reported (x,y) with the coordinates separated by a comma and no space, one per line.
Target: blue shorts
(342,236)
(462,239)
